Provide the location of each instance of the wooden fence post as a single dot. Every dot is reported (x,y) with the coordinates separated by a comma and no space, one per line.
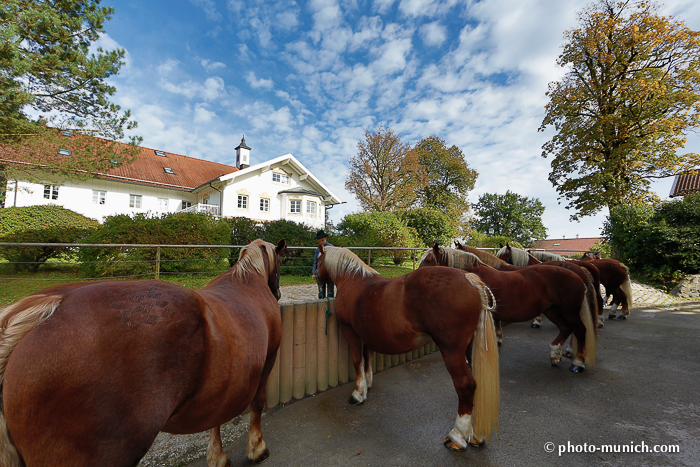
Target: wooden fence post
(299,359)
(287,353)
(332,345)
(322,346)
(158,263)
(311,348)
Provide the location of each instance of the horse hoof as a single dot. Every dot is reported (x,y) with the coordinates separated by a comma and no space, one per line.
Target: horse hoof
(228,463)
(263,457)
(555,362)
(476,444)
(622,317)
(577,368)
(354,401)
(568,354)
(611,316)
(452,446)
(534,325)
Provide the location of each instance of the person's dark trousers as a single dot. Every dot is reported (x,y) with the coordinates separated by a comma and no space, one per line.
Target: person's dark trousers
(325,289)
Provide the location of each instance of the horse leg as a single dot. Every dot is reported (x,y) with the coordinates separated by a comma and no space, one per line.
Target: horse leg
(355,345)
(256,450)
(616,301)
(499,333)
(216,457)
(462,433)
(537,322)
(369,376)
(555,353)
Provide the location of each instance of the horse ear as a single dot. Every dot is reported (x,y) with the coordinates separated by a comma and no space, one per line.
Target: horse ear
(342,246)
(320,250)
(436,248)
(457,244)
(500,245)
(249,240)
(281,246)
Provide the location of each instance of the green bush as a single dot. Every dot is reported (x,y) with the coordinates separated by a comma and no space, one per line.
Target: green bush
(169,229)
(40,224)
(382,229)
(431,226)
(660,242)
(481,240)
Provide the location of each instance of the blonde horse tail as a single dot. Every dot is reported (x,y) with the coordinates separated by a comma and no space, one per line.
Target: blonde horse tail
(592,299)
(15,322)
(626,288)
(585,315)
(484,361)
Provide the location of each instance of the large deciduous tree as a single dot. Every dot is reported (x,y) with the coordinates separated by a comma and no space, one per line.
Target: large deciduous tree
(449,177)
(510,215)
(47,67)
(384,174)
(620,112)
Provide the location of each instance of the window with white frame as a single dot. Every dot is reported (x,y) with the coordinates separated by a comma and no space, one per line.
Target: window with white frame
(242,202)
(311,207)
(98,197)
(280,178)
(50,192)
(295,206)
(264,205)
(135,201)
(186,204)
(163,204)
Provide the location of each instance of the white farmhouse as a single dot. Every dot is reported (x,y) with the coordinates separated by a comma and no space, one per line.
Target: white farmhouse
(163,182)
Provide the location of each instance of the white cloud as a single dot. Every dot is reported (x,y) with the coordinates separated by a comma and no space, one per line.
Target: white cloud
(433,33)
(258,83)
(209,8)
(202,115)
(212,66)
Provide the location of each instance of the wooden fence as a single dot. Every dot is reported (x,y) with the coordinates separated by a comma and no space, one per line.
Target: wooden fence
(313,355)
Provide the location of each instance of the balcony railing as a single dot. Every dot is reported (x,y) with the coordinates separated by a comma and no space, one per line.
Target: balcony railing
(211,209)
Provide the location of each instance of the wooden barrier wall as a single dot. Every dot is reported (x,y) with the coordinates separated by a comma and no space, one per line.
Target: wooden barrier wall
(313,355)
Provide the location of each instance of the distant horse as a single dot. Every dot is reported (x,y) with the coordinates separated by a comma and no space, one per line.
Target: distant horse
(590,256)
(590,278)
(393,316)
(547,256)
(520,257)
(93,371)
(523,294)
(616,279)
(517,256)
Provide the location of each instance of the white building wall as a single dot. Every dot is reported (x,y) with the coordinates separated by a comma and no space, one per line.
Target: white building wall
(78,196)
(259,185)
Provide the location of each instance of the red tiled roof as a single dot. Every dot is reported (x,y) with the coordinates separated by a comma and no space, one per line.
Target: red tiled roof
(685,183)
(149,169)
(564,245)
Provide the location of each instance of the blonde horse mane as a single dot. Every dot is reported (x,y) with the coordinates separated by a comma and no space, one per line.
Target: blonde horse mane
(547,256)
(251,259)
(16,321)
(518,257)
(343,261)
(460,259)
(487,258)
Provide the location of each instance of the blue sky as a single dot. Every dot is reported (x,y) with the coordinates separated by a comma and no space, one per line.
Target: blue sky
(308,78)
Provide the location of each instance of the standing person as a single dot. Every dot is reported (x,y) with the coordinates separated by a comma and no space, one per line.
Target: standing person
(322,238)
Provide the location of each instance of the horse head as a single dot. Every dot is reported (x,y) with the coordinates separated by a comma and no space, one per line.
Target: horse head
(321,269)
(435,256)
(506,254)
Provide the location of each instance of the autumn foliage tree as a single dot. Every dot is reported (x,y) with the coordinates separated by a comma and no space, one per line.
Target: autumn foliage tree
(621,111)
(384,174)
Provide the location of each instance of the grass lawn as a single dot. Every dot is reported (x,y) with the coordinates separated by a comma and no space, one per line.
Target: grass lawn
(14,286)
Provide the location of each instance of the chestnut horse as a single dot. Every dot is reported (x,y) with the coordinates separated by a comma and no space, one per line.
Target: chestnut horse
(393,316)
(91,372)
(586,271)
(521,295)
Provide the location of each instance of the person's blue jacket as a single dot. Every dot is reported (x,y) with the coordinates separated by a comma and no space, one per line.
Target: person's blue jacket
(313,271)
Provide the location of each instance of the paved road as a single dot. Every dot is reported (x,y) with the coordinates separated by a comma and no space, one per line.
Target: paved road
(644,389)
